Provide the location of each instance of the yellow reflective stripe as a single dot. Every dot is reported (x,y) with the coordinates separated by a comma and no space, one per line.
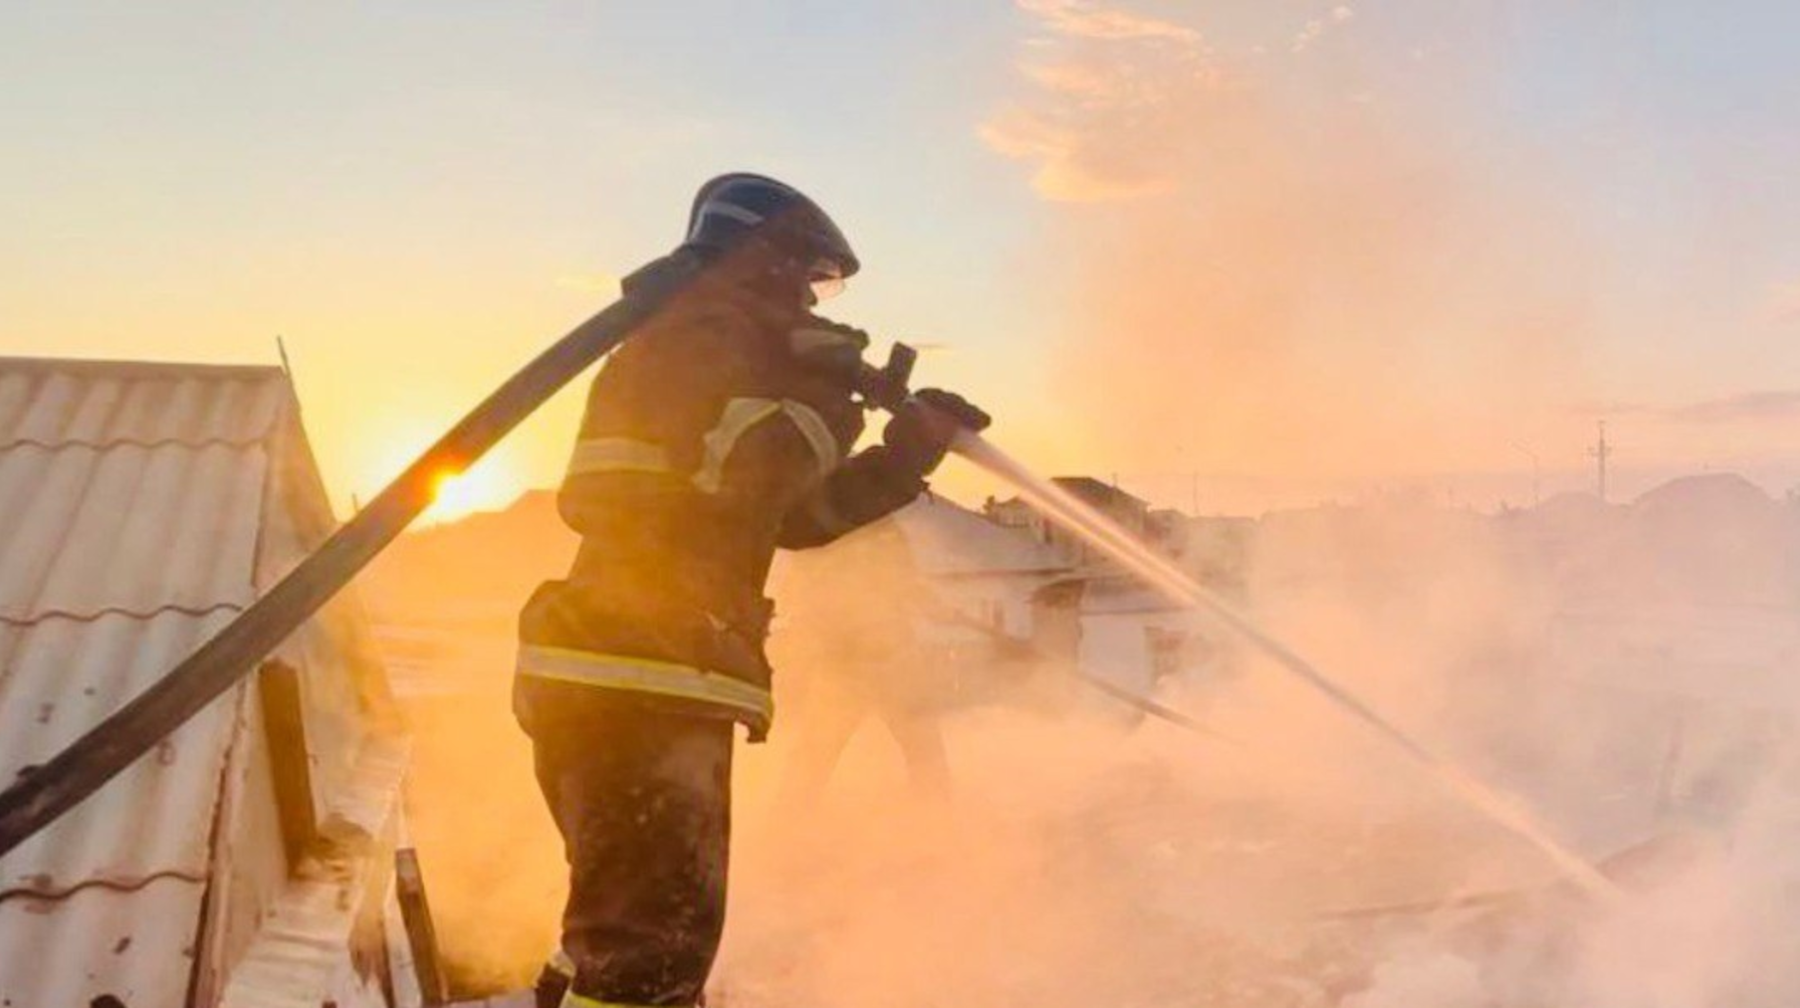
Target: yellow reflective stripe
(624,454)
(574,1000)
(817,433)
(739,416)
(644,675)
(618,454)
(561,963)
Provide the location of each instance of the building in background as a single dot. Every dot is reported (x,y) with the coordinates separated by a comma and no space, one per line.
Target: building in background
(1104,619)
(986,570)
(249,860)
(1128,512)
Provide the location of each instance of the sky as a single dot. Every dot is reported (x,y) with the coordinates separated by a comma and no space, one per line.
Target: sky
(1247,253)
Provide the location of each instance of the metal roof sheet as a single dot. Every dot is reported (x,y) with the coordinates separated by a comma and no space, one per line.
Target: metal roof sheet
(132,530)
(134,945)
(132,503)
(105,403)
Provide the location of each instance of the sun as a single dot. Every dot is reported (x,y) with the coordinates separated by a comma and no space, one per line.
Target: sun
(491,484)
(487,487)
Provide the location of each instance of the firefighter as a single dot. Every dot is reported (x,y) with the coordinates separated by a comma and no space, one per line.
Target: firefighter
(719,433)
(854,620)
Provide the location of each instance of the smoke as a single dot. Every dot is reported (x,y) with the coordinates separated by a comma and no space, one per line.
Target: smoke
(1075,851)
(1280,260)
(1286,262)
(1082,859)
(1562,667)
(1285,256)
(490,854)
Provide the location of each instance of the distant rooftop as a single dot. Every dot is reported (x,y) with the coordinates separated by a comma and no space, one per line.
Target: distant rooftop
(1096,492)
(948,540)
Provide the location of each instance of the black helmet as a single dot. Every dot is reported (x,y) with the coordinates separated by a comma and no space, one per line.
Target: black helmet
(732,207)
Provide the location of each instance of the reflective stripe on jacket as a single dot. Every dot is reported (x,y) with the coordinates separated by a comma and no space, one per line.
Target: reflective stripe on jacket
(706,445)
(570,999)
(753,704)
(614,454)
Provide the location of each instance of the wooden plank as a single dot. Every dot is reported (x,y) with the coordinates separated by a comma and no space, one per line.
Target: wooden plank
(421,933)
(284,726)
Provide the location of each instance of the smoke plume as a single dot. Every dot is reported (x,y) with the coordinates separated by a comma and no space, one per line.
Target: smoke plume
(1284,262)
(1282,259)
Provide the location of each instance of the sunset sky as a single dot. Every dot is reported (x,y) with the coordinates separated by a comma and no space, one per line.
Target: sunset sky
(1295,248)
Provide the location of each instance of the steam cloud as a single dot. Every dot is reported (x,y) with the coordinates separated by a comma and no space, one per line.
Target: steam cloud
(1291,271)
(1290,275)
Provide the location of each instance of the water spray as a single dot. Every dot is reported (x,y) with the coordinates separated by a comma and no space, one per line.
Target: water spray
(1094,528)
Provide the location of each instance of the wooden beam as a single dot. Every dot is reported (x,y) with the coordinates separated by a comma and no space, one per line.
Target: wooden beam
(421,933)
(284,727)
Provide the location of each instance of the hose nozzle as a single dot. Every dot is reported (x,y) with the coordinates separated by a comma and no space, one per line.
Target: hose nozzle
(885,387)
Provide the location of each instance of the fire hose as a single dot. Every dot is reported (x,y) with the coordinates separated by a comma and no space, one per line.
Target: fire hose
(46,791)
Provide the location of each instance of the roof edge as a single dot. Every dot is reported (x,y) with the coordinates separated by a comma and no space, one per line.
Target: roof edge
(137,368)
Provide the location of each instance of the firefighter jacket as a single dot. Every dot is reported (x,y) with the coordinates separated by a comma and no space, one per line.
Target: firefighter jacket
(708,442)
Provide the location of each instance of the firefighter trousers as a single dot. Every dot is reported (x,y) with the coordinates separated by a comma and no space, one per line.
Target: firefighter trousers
(642,798)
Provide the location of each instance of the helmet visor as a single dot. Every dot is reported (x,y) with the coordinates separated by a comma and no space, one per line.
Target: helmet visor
(827,279)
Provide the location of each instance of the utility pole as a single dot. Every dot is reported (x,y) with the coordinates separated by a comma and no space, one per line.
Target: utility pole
(1601,452)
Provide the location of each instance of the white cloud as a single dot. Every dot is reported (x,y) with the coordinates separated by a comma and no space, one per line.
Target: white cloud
(1308,35)
(1084,19)
(1067,171)
(1315,28)
(1101,97)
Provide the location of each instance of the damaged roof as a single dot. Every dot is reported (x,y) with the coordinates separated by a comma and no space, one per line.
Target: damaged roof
(133,502)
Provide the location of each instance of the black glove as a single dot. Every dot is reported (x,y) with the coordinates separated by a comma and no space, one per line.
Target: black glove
(922,428)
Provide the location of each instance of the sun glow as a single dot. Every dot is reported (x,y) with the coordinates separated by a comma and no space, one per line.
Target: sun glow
(491,484)
(487,487)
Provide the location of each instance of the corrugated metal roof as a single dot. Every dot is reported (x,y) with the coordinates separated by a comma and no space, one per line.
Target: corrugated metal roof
(101,941)
(132,500)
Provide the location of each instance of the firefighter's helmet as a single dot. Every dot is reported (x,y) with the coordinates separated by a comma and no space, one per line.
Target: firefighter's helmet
(731,208)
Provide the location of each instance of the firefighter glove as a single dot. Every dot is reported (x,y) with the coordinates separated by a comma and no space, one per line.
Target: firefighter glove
(922,428)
